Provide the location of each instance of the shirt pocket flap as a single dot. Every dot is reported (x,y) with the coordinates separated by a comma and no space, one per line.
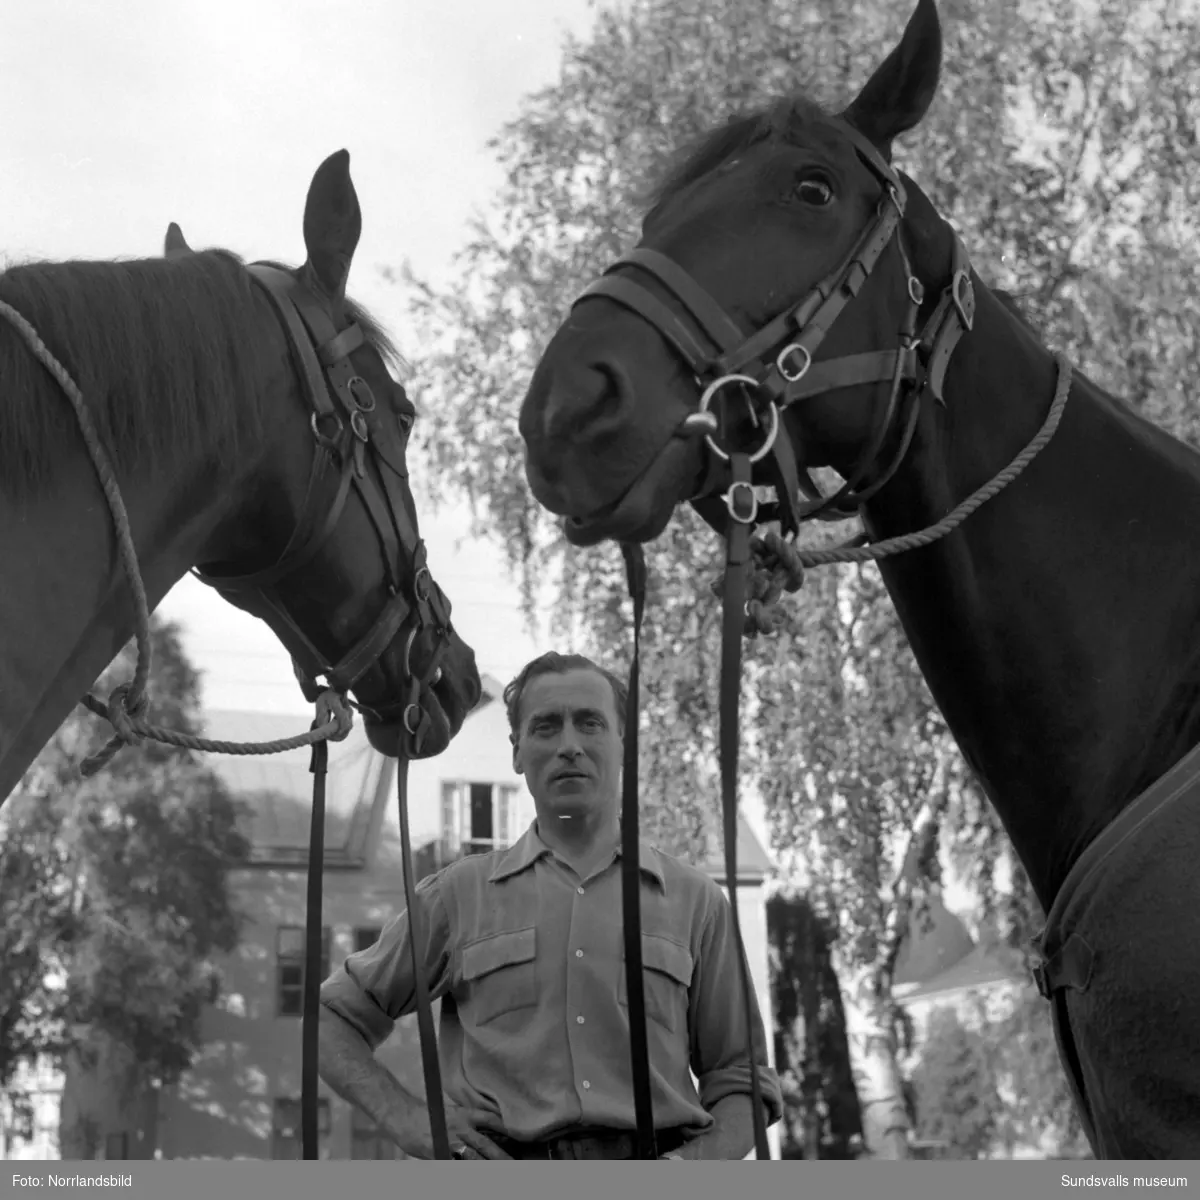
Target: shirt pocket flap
(662,954)
(499,950)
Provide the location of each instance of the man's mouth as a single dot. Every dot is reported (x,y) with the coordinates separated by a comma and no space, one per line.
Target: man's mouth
(569,775)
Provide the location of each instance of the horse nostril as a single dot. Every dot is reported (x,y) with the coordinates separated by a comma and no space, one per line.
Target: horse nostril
(593,395)
(612,394)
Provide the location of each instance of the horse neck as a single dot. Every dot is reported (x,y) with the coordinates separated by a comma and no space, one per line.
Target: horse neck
(66,608)
(1058,626)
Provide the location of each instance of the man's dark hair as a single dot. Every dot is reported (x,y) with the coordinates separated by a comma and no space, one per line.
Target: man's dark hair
(553,663)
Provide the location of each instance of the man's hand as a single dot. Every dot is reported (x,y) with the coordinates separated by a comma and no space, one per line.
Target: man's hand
(416,1140)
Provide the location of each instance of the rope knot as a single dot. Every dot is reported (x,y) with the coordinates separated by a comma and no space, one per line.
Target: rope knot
(775,567)
(122,715)
(124,718)
(332,709)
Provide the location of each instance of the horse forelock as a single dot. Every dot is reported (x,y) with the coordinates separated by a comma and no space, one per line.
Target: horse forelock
(782,120)
(163,350)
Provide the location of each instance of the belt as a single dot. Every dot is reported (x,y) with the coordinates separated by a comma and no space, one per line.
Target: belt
(596,1143)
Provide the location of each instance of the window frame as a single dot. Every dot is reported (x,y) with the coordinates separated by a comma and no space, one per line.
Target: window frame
(289,961)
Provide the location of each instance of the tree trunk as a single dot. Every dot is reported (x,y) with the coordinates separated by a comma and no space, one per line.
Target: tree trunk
(876,1069)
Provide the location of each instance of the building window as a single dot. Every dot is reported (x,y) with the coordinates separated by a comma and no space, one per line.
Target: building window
(367,1141)
(285,1132)
(116,1147)
(476,817)
(289,959)
(365,938)
(450,808)
(481,819)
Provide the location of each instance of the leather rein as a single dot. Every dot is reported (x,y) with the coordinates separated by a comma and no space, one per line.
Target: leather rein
(720,355)
(359,446)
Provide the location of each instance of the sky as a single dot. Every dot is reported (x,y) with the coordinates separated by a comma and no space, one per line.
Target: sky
(125,115)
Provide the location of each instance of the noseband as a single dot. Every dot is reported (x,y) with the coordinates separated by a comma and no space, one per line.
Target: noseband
(772,365)
(357,445)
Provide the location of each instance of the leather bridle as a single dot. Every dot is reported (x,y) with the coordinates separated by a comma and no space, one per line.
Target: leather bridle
(771,369)
(359,445)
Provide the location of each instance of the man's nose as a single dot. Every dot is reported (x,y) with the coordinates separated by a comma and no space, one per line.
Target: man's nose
(568,744)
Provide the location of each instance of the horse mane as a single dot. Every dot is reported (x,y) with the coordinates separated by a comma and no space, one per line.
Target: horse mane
(1012,303)
(162,350)
(781,120)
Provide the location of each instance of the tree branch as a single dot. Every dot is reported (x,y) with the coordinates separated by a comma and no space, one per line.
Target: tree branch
(923,829)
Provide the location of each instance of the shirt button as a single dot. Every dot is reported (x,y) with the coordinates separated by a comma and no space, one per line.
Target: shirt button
(579,890)
(578,1020)
(586,1084)
(578,953)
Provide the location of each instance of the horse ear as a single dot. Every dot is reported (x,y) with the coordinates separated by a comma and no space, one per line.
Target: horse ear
(174,244)
(900,91)
(332,225)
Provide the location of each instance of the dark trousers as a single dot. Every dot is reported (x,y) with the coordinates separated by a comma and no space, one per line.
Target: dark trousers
(587,1144)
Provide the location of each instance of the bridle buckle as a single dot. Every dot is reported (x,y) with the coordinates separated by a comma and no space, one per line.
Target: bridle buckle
(412,719)
(793,348)
(738,492)
(962,293)
(329,442)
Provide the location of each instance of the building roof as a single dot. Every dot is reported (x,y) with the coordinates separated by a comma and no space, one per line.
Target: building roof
(753,863)
(981,967)
(278,788)
(936,940)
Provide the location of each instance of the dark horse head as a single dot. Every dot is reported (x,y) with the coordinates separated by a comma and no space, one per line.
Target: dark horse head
(766,208)
(332,558)
(786,248)
(254,429)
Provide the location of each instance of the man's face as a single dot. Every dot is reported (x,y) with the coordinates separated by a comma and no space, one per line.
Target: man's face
(570,748)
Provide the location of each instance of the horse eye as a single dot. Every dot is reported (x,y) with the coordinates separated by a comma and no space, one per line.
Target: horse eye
(814,191)
(406,413)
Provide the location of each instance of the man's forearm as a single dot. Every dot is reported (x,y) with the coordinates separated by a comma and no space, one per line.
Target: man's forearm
(349,1067)
(732,1133)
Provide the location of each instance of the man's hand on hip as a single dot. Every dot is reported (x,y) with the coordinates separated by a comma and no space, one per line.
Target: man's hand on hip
(466,1141)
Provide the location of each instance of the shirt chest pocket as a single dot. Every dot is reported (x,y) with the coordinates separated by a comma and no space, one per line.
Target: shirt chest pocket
(668,967)
(499,974)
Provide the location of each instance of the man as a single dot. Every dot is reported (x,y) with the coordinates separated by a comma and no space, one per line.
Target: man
(525,946)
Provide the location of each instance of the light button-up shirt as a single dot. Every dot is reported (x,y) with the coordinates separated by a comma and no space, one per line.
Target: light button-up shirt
(529,964)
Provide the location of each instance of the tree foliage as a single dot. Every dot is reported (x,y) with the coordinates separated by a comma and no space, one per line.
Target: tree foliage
(1023,1052)
(1063,147)
(957,1099)
(114,904)
(1062,144)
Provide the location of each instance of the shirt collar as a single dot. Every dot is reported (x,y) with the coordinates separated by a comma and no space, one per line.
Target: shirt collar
(530,847)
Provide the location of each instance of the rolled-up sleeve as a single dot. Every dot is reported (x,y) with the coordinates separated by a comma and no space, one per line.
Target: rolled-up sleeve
(719,1043)
(374,987)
